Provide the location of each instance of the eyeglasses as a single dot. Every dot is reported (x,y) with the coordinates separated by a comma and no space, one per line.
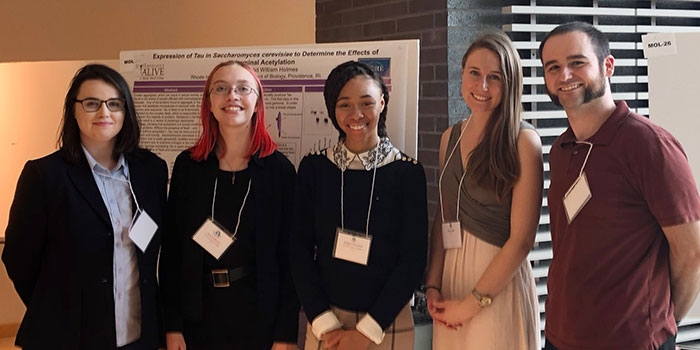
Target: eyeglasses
(224,90)
(94,104)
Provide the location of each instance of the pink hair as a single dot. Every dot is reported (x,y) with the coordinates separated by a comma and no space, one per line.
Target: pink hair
(260,143)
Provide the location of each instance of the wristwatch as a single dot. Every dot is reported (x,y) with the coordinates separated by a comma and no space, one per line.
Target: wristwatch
(483,300)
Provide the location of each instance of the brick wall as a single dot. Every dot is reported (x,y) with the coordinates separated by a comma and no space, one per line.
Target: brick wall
(426,20)
(444,28)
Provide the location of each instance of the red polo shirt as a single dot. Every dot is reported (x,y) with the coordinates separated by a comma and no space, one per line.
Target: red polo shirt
(609,280)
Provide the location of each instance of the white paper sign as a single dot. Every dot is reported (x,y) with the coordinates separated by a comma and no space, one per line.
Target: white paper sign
(142,230)
(577,197)
(213,238)
(451,235)
(659,44)
(352,247)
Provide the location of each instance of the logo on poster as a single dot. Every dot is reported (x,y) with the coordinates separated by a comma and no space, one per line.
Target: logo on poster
(379,65)
(152,71)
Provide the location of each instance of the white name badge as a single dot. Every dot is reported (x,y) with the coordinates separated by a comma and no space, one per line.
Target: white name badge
(142,229)
(352,246)
(451,235)
(213,238)
(576,197)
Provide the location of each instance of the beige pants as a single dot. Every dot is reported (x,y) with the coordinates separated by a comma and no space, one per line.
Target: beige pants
(399,335)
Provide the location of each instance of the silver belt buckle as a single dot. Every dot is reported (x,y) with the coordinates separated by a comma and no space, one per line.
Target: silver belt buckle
(220,278)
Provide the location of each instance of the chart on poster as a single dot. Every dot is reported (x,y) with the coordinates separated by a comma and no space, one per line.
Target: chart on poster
(167,86)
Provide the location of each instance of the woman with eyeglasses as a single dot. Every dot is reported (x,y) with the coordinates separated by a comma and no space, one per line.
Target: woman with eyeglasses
(224,265)
(83,235)
(361,224)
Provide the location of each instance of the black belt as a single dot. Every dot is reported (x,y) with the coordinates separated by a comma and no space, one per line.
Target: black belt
(222,278)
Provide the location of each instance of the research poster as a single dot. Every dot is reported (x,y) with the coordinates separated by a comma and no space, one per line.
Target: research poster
(167,87)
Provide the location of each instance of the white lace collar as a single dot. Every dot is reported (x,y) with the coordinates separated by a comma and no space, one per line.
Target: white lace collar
(381,155)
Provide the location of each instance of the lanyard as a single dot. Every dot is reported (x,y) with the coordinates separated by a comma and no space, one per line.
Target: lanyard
(342,197)
(245,199)
(442,173)
(590,148)
(128,182)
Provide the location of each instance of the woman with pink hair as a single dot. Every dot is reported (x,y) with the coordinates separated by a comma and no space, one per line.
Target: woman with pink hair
(224,266)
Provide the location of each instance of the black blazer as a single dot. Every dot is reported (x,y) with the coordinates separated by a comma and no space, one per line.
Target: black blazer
(59,247)
(182,259)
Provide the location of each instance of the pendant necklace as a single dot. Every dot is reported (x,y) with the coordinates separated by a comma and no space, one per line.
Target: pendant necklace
(233,175)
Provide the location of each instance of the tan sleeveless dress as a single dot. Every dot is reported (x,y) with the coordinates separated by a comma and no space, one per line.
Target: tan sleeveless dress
(512,321)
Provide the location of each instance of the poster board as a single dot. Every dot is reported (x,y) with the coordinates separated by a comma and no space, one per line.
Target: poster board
(168,84)
(674,93)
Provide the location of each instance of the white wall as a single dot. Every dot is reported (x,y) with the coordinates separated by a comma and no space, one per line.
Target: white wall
(49,30)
